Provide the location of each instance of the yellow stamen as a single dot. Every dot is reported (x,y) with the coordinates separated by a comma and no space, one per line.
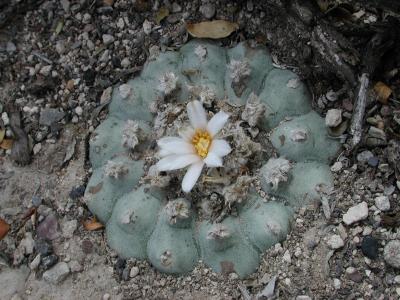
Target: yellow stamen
(201,142)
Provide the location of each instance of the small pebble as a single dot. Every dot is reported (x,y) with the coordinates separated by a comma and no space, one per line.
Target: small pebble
(382,203)
(335,242)
(49,261)
(369,247)
(337,166)
(57,274)
(134,272)
(356,213)
(333,117)
(78,110)
(336,283)
(286,257)
(208,10)
(108,39)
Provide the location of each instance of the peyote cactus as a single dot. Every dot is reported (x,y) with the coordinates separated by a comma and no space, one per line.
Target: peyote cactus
(275,137)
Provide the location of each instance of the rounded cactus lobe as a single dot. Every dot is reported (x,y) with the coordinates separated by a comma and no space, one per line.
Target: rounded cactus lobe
(107,141)
(172,248)
(305,138)
(266,224)
(132,100)
(164,62)
(225,248)
(306,182)
(259,64)
(104,189)
(284,95)
(204,65)
(132,222)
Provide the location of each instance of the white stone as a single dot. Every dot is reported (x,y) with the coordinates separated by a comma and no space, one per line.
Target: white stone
(337,166)
(78,110)
(382,203)
(108,39)
(286,257)
(45,71)
(134,272)
(5,119)
(336,283)
(147,27)
(35,262)
(335,242)
(57,273)
(120,23)
(333,117)
(125,63)
(356,213)
(36,149)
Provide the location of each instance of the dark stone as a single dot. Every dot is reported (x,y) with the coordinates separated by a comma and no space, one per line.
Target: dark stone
(87,246)
(43,247)
(36,201)
(120,266)
(48,116)
(48,229)
(125,274)
(356,277)
(49,261)
(369,247)
(116,62)
(373,161)
(89,76)
(77,192)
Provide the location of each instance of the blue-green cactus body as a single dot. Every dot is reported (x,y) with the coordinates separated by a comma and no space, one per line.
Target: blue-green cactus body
(141,223)
(172,247)
(102,190)
(132,222)
(207,72)
(260,65)
(304,138)
(226,249)
(284,95)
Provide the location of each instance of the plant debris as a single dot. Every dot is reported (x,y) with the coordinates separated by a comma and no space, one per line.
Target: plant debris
(217,29)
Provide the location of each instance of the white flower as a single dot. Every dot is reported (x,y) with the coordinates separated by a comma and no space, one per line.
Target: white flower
(196,146)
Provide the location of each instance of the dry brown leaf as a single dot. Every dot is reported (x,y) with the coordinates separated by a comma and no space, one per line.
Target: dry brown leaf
(161,14)
(4,228)
(6,144)
(108,2)
(92,224)
(214,29)
(2,134)
(382,92)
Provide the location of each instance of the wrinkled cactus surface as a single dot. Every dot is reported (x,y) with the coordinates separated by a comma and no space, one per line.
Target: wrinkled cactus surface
(144,223)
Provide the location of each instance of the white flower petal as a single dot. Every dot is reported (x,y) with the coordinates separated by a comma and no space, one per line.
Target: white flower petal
(212,160)
(177,146)
(187,133)
(217,123)
(197,114)
(176,161)
(191,176)
(220,147)
(169,139)
(163,153)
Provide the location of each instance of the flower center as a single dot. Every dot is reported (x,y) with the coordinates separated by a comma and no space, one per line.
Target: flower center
(201,142)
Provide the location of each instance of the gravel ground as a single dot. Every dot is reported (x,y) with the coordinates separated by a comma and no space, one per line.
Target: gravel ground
(58,63)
